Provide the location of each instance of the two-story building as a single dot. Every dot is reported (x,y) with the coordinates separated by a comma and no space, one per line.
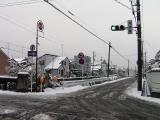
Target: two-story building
(59,67)
(44,61)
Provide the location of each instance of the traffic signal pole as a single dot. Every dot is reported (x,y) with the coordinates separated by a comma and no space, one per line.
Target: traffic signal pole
(109,58)
(128,68)
(139,62)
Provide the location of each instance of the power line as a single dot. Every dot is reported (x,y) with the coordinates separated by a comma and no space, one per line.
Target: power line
(14,23)
(133,11)
(119,53)
(76,22)
(123,4)
(84,27)
(20,3)
(75,16)
(24,27)
(19,46)
(35,1)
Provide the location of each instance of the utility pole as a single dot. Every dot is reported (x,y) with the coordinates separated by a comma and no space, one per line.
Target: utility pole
(36,56)
(139,62)
(128,68)
(93,61)
(145,62)
(39,28)
(101,62)
(109,58)
(135,71)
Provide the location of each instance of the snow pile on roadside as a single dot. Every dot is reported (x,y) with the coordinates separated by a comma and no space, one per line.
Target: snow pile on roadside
(132,91)
(113,81)
(63,90)
(6,111)
(48,91)
(41,117)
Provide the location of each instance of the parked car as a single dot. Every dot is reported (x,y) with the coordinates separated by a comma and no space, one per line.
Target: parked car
(153,80)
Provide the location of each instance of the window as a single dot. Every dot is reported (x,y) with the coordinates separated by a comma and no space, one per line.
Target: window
(42,62)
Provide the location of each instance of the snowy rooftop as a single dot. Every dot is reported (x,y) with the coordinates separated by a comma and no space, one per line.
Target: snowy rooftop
(55,64)
(23,73)
(19,59)
(97,67)
(155,70)
(6,76)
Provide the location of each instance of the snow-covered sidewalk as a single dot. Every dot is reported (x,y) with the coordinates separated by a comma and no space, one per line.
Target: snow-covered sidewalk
(50,91)
(132,91)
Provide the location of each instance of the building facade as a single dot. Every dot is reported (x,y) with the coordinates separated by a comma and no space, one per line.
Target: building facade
(59,67)
(76,67)
(44,61)
(4,64)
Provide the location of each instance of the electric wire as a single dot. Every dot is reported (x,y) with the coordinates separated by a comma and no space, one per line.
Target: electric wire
(18,46)
(19,3)
(75,16)
(35,1)
(85,28)
(123,4)
(133,11)
(76,22)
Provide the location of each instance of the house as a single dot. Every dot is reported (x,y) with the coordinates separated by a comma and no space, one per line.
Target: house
(76,67)
(19,64)
(96,69)
(4,64)
(44,61)
(59,66)
(104,67)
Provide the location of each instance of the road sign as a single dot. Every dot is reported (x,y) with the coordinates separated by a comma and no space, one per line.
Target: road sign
(81,61)
(81,55)
(32,47)
(32,53)
(40,25)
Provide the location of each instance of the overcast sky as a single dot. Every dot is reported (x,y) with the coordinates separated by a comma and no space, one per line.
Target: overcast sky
(18,26)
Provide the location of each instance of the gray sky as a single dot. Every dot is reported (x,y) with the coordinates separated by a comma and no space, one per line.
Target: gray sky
(97,15)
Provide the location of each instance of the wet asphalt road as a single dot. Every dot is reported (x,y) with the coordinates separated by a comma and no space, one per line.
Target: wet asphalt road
(106,102)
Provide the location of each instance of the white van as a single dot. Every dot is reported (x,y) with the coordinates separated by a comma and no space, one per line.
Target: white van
(153,80)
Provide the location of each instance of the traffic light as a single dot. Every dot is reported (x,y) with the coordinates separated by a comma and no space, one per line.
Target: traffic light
(130,27)
(40,25)
(118,27)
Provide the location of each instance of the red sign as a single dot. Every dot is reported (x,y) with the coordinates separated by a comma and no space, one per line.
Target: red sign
(81,55)
(40,25)
(81,61)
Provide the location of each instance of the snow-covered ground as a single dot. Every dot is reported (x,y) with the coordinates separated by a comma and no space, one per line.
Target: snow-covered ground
(113,81)
(50,91)
(7,111)
(47,91)
(132,91)
(42,117)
